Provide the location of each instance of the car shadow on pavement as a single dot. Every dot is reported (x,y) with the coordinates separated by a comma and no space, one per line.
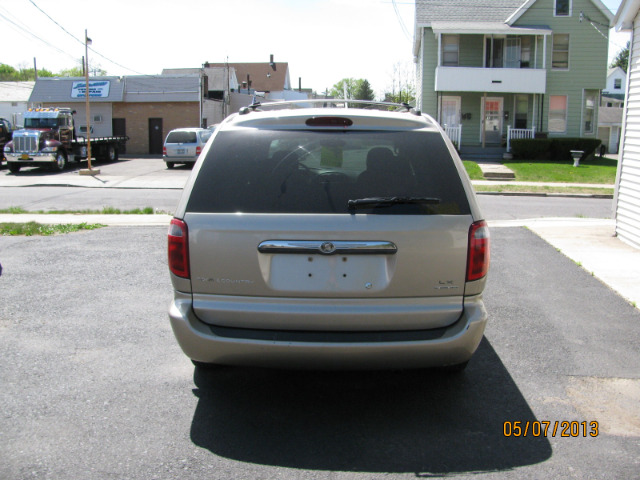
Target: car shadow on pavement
(425,422)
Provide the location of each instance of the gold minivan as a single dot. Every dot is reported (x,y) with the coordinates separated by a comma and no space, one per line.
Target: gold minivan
(316,237)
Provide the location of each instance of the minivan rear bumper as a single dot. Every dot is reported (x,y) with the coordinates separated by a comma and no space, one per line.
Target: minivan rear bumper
(449,345)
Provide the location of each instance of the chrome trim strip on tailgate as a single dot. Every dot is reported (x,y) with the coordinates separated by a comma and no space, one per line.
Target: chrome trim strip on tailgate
(338,247)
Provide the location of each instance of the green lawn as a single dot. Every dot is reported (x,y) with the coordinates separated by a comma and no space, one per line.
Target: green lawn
(104,211)
(473,170)
(33,228)
(596,170)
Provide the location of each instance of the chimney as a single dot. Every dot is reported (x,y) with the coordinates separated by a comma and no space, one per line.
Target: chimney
(248,81)
(272,64)
(300,84)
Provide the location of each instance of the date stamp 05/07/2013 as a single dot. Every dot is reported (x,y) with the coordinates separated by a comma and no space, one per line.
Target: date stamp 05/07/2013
(551,428)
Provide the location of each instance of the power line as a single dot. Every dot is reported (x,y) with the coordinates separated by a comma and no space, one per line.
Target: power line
(63,29)
(25,30)
(81,42)
(402,25)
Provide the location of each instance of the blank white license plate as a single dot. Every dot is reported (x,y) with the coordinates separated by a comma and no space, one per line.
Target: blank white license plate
(181,151)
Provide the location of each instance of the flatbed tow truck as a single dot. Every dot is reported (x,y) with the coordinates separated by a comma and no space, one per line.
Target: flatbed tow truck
(49,138)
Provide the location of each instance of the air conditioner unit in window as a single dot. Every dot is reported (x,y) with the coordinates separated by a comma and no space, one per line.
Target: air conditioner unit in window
(97,119)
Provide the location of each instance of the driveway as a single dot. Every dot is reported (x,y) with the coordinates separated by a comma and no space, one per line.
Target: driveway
(95,386)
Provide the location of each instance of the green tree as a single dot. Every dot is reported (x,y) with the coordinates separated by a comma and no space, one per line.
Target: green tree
(622,59)
(22,74)
(356,89)
(10,74)
(364,91)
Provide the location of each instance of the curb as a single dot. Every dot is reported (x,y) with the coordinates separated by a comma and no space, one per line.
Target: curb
(556,195)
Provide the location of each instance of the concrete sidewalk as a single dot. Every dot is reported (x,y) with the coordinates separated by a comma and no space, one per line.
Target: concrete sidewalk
(589,242)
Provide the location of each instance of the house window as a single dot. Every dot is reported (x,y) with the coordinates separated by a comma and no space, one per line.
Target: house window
(560,55)
(617,83)
(525,52)
(558,113)
(215,95)
(522,111)
(563,8)
(513,52)
(450,50)
(450,114)
(494,52)
(589,110)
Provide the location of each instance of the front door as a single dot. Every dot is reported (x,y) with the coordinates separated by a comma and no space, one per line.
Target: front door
(156,140)
(492,108)
(119,126)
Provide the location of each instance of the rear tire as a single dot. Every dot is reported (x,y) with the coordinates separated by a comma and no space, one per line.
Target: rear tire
(170,165)
(112,154)
(13,167)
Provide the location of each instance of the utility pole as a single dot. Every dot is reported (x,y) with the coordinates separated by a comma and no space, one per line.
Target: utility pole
(89,171)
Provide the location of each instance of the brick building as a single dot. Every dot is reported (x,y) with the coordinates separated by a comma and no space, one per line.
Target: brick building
(145,108)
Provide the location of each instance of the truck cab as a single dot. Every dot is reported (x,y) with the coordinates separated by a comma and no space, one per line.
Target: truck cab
(49,138)
(58,122)
(46,139)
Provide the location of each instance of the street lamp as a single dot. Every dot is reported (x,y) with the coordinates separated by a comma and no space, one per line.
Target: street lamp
(89,171)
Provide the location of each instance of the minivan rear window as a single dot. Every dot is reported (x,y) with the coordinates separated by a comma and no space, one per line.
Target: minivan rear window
(286,171)
(182,137)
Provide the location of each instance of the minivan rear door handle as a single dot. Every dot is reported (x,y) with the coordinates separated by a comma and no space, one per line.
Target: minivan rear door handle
(328,247)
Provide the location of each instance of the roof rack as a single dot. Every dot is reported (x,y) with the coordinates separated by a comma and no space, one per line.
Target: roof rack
(329,103)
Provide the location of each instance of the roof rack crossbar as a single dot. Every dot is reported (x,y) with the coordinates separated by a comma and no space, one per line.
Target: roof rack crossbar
(328,103)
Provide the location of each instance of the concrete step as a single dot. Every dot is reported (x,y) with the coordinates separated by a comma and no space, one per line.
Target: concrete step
(496,171)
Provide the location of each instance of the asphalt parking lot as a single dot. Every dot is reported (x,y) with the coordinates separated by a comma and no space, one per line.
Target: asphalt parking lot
(95,386)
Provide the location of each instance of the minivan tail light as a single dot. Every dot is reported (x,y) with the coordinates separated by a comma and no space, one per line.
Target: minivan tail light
(178,242)
(198,150)
(478,256)
(164,151)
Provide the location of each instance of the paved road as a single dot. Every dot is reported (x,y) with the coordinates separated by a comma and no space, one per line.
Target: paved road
(95,386)
(138,183)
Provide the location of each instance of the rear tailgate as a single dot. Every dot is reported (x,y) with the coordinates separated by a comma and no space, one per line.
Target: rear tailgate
(181,149)
(416,280)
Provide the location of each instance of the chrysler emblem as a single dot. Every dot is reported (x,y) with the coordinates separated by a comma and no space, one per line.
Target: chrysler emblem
(327,248)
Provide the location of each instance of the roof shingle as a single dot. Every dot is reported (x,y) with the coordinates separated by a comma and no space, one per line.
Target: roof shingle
(428,11)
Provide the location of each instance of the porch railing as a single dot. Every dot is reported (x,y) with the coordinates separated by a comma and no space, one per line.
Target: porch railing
(519,133)
(454,132)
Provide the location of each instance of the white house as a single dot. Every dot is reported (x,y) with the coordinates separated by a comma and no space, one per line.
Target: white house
(611,109)
(627,191)
(14,100)
(616,84)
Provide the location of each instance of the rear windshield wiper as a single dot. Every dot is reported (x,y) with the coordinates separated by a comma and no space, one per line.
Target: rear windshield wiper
(389,201)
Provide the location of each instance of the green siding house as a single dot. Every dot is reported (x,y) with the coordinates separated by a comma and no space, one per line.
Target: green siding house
(493,70)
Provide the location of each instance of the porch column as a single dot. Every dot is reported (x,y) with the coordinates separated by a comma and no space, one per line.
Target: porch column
(533,114)
(483,119)
(544,51)
(439,64)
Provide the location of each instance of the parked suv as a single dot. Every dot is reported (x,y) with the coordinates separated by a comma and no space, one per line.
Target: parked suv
(328,238)
(184,145)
